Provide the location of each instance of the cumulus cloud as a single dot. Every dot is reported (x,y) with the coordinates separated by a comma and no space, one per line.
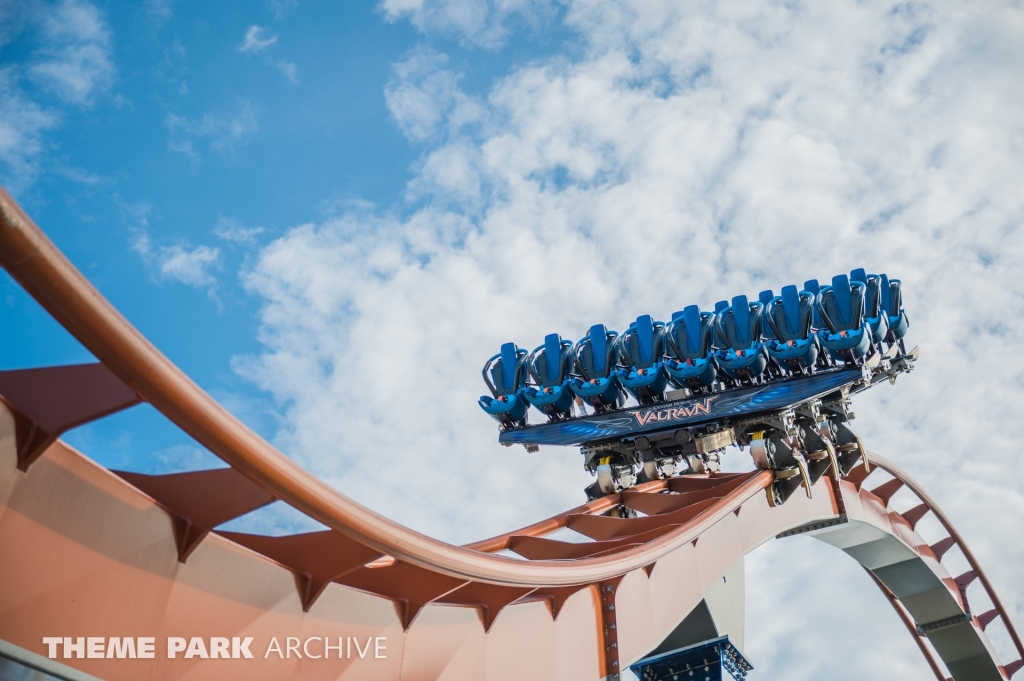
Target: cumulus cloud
(192,266)
(74,61)
(22,126)
(224,131)
(230,229)
(424,97)
(483,23)
(687,153)
(255,40)
(69,64)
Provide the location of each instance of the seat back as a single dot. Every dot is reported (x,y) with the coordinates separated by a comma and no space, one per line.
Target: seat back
(506,370)
(842,304)
(716,339)
(812,286)
(891,298)
(739,325)
(641,345)
(595,353)
(549,364)
(790,315)
(872,291)
(765,297)
(689,333)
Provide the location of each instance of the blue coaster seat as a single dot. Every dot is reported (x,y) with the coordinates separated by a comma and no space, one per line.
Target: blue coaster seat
(505,376)
(640,349)
(765,297)
(891,306)
(690,361)
(846,336)
(739,328)
(874,317)
(594,357)
(550,365)
(790,316)
(811,285)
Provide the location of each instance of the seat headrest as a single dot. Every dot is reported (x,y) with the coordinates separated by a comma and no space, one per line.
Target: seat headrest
(842,294)
(812,286)
(509,357)
(598,336)
(645,338)
(791,308)
(721,305)
(553,356)
(692,324)
(890,296)
(859,275)
(741,320)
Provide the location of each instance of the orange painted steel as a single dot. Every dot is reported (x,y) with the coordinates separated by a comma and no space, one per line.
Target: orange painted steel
(36,263)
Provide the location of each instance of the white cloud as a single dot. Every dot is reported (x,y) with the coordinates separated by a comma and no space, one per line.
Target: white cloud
(687,153)
(75,60)
(160,11)
(233,230)
(224,130)
(22,125)
(425,99)
(255,40)
(190,266)
(69,48)
(281,8)
(178,262)
(289,69)
(483,23)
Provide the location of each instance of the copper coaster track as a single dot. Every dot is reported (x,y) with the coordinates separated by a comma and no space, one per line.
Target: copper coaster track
(595,606)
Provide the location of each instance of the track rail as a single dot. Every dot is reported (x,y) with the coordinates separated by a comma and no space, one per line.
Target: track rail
(36,263)
(364,550)
(913,516)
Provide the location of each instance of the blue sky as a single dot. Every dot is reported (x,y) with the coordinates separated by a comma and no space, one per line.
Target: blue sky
(330,216)
(177,138)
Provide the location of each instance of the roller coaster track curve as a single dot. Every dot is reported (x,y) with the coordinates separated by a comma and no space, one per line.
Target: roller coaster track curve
(412,570)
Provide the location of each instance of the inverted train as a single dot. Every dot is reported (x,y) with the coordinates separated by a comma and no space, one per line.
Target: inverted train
(774,375)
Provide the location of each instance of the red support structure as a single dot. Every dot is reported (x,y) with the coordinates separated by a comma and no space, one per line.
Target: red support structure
(317,557)
(51,400)
(201,500)
(609,629)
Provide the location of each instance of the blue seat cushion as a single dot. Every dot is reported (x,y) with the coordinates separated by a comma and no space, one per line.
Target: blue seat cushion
(856,342)
(598,392)
(699,370)
(506,409)
(550,399)
(750,361)
(801,352)
(643,380)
